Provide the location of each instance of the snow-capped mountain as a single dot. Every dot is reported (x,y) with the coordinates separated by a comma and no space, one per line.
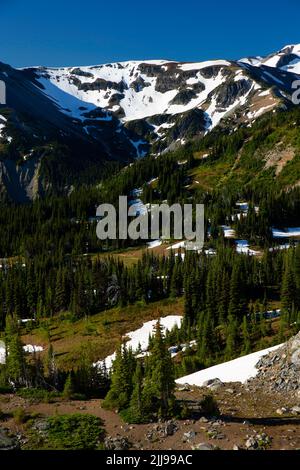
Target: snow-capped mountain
(124,110)
(287,59)
(165,101)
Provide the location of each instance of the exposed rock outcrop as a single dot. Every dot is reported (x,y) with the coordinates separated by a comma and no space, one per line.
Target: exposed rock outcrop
(279,371)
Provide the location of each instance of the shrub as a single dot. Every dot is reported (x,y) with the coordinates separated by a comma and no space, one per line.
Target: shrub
(131,416)
(75,432)
(37,395)
(209,405)
(20,415)
(185,412)
(90,330)
(78,396)
(68,388)
(5,389)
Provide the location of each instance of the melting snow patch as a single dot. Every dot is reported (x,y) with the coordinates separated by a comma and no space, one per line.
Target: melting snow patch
(284,246)
(140,338)
(238,370)
(228,231)
(201,65)
(29,348)
(244,206)
(154,244)
(242,246)
(289,232)
(152,181)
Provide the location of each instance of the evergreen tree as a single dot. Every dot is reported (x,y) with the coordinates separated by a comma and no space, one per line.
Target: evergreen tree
(69,387)
(159,377)
(246,337)
(121,380)
(231,337)
(288,288)
(15,356)
(135,412)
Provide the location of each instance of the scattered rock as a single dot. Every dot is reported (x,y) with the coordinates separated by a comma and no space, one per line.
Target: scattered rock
(161,430)
(116,443)
(8,441)
(41,426)
(189,436)
(170,428)
(258,441)
(251,443)
(279,370)
(281,411)
(184,388)
(295,410)
(203,419)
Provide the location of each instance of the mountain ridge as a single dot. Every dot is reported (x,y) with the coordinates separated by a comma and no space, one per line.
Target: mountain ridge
(124,110)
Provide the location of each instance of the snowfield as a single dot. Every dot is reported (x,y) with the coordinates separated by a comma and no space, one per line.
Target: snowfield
(31,348)
(134,84)
(237,370)
(140,337)
(137,103)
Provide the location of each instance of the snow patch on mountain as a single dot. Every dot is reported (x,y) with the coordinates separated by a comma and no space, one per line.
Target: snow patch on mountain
(28,348)
(237,370)
(65,99)
(202,65)
(167,102)
(129,86)
(139,339)
(287,59)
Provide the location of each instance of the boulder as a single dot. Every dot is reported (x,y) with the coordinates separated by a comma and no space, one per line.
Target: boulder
(189,436)
(203,446)
(213,384)
(295,410)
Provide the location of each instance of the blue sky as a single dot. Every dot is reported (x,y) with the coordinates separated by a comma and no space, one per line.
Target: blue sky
(65,32)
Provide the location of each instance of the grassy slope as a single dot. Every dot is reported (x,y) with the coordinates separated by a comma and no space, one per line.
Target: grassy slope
(100,334)
(248,165)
